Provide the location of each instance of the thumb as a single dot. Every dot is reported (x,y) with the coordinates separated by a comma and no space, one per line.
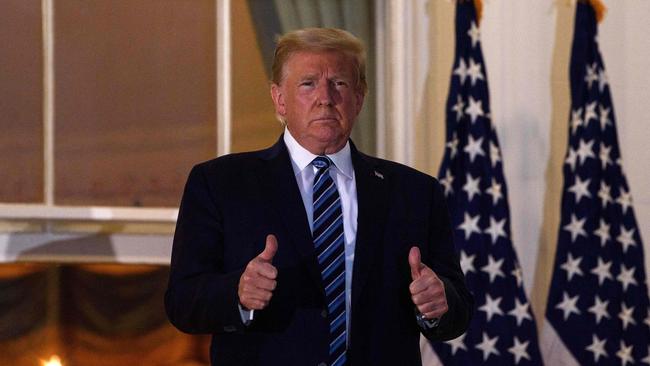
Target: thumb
(270,248)
(415,263)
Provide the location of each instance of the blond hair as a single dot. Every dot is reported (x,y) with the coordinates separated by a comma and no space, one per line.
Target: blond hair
(319,40)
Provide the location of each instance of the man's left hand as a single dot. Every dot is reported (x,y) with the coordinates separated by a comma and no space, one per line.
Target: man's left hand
(427,290)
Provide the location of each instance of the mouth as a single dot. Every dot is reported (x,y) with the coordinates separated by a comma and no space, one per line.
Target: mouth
(325,119)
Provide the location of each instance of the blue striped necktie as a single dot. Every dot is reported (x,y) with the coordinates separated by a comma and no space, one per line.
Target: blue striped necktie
(329,242)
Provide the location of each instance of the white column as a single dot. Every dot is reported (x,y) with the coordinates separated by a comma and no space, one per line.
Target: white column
(402,60)
(224,80)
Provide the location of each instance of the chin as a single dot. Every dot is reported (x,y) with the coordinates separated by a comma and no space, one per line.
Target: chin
(327,133)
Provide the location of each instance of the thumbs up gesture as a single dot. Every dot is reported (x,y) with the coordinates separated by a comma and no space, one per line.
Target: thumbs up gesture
(427,290)
(258,281)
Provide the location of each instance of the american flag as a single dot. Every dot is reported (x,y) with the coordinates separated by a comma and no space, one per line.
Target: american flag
(598,301)
(503,330)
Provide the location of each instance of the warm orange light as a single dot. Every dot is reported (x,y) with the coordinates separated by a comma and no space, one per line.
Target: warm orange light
(53,361)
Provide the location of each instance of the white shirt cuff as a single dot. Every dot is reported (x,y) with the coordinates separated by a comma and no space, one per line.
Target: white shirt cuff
(246,315)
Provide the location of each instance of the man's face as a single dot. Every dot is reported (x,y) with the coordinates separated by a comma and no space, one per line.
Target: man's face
(319,98)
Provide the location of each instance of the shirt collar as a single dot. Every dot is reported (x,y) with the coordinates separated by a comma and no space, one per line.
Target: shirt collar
(301,157)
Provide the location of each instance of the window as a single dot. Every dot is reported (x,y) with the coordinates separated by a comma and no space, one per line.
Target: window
(109,104)
(135,102)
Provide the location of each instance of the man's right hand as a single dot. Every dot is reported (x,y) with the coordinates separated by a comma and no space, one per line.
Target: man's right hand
(258,281)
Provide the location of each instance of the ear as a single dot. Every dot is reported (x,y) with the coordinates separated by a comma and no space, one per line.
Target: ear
(278,99)
(359,100)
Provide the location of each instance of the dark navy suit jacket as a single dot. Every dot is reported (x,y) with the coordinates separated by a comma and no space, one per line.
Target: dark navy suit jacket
(229,206)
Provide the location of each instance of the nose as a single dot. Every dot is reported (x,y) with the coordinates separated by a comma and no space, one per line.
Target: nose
(325,94)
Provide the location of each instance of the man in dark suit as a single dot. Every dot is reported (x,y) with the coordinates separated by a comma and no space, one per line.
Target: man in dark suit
(310,252)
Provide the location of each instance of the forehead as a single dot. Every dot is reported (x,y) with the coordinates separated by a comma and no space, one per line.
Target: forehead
(308,62)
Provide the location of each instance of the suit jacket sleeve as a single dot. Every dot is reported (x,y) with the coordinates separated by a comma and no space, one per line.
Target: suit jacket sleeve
(201,297)
(442,259)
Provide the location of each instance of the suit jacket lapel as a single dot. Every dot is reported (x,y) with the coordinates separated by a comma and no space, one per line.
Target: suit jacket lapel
(279,184)
(372,199)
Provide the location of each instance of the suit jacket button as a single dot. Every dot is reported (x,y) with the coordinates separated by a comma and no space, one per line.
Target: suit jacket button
(322,364)
(229,329)
(324,313)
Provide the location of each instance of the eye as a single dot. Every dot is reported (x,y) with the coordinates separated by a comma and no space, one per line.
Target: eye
(307,83)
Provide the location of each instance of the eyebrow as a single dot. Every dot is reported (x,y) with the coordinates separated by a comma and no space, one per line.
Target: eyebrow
(313,76)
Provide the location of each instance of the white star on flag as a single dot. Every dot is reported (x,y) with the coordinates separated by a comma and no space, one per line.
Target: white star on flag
(447,183)
(604,195)
(471,187)
(520,312)
(474,71)
(495,155)
(568,305)
(572,266)
(580,189)
(453,145)
(474,148)
(625,200)
(461,71)
(470,225)
(467,262)
(590,113)
(602,80)
(591,75)
(626,277)
(518,350)
(604,154)
(604,117)
(495,191)
(491,307)
(496,229)
(571,159)
(493,268)
(585,150)
(474,34)
(602,270)
(457,343)
(488,346)
(474,109)
(625,354)
(626,238)
(603,232)
(575,227)
(576,120)
(517,273)
(458,108)
(599,309)
(626,315)
(597,347)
